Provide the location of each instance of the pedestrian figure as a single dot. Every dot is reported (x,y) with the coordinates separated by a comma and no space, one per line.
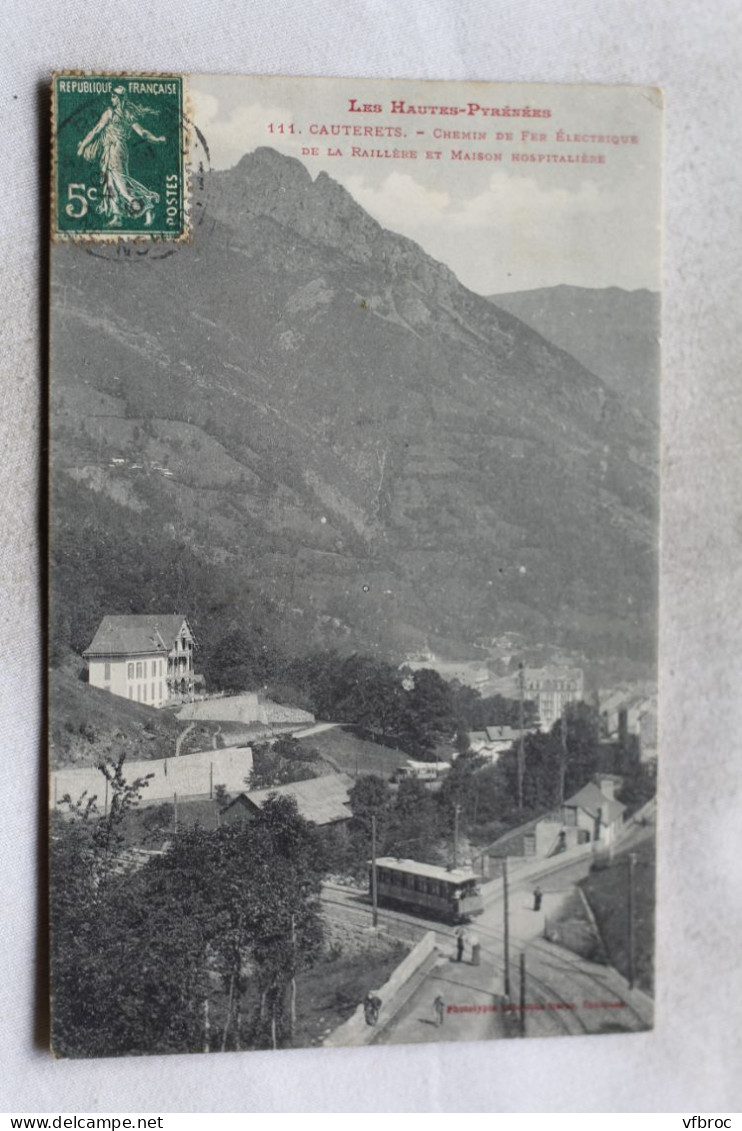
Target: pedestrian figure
(460,934)
(440,1009)
(371,1007)
(476,947)
(538,895)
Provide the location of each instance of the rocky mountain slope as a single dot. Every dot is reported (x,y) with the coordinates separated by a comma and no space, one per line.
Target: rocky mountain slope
(319,410)
(614,333)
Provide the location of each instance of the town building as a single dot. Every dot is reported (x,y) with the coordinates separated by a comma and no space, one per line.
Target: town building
(146,658)
(552,689)
(591,815)
(492,741)
(631,710)
(594,812)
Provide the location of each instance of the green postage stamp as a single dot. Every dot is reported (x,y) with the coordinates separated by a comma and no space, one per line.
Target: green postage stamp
(119,153)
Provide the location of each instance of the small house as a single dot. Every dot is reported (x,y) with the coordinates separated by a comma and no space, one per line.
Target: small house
(594,811)
(323,801)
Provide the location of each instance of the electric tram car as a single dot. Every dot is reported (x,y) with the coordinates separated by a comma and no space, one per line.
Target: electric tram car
(451,894)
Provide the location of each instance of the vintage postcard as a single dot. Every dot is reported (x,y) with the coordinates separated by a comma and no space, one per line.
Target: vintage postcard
(354,561)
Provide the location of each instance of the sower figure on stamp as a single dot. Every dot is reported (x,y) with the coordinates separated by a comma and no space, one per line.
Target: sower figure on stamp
(108,144)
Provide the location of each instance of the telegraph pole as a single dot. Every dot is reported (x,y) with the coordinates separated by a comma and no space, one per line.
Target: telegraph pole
(292,1014)
(374,893)
(456,809)
(563,756)
(506,926)
(632,864)
(522,1012)
(207,1022)
(521,725)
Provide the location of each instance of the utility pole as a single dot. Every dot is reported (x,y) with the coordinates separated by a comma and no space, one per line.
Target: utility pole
(292,1001)
(522,1011)
(211,781)
(374,893)
(175,813)
(521,725)
(506,926)
(632,864)
(456,810)
(207,1024)
(563,755)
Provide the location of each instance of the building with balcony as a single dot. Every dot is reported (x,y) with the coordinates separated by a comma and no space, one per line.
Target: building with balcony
(146,658)
(552,690)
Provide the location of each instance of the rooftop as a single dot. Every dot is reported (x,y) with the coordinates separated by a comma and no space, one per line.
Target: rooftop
(321,800)
(512,843)
(432,871)
(590,798)
(503,734)
(135,634)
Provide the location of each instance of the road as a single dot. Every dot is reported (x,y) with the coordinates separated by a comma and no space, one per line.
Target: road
(564,994)
(318,728)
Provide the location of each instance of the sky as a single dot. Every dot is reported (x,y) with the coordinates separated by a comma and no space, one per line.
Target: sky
(500,225)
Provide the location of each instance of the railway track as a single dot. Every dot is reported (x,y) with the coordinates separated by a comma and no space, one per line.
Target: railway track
(557,985)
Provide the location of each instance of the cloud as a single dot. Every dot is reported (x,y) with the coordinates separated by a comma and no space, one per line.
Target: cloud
(400,201)
(518,232)
(243,129)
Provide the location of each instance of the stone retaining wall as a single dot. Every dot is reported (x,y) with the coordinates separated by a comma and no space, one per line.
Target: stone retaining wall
(355,1031)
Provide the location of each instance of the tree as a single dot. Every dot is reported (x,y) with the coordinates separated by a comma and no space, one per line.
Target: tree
(461,742)
(429,716)
(280,765)
(293,750)
(413,824)
(541,773)
(582,744)
(370,796)
(108,836)
(240,662)
(279,866)
(460,789)
(126,952)
(153,959)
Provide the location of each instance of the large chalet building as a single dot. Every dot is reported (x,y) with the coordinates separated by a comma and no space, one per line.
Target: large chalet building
(145,658)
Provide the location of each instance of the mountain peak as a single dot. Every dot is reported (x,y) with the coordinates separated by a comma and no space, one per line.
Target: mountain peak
(265,160)
(267,183)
